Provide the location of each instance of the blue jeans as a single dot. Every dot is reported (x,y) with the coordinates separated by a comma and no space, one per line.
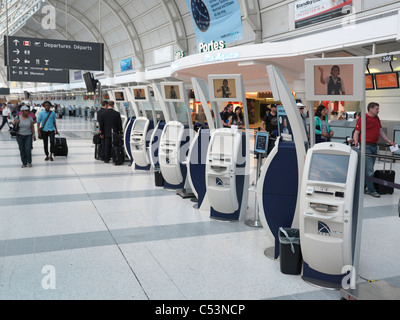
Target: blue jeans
(25,148)
(369,167)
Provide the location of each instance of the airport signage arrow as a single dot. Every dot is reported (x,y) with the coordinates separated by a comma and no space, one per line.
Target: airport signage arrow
(56,54)
(37,74)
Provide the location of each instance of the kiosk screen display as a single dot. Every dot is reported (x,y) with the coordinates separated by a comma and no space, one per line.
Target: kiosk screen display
(139,125)
(223,145)
(171,133)
(329,168)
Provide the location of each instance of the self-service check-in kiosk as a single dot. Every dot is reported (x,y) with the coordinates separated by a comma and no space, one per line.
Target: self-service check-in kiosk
(197,157)
(329,212)
(228,156)
(141,128)
(176,137)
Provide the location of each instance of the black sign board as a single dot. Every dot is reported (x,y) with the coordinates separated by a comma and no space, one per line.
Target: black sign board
(37,74)
(387,58)
(57,54)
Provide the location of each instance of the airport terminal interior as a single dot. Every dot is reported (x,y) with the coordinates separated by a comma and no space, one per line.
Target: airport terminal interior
(194,209)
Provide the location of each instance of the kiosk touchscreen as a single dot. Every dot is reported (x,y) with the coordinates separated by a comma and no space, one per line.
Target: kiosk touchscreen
(138,141)
(221,174)
(329,210)
(261,143)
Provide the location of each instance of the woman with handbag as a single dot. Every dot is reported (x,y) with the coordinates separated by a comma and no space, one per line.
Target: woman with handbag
(24,126)
(323,132)
(47,128)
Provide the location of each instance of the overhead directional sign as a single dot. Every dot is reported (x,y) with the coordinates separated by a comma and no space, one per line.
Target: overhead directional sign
(58,54)
(37,74)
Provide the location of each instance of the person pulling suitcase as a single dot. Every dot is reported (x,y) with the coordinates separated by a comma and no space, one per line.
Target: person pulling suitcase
(373,131)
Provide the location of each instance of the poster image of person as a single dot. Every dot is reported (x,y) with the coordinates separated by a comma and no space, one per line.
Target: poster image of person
(333,80)
(139,94)
(225,88)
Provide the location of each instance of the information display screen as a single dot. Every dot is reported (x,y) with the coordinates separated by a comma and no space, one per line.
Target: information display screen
(388,80)
(329,168)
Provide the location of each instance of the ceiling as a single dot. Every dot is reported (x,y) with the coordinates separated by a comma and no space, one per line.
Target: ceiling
(151,31)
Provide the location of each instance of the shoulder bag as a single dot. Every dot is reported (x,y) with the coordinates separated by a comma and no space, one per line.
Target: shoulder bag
(15,127)
(40,131)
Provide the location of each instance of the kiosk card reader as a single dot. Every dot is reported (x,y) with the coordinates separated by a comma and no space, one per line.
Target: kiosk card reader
(222,157)
(329,212)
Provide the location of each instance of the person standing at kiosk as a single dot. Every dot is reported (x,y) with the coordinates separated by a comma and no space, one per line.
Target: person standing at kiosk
(373,131)
(270,124)
(110,122)
(226,114)
(323,132)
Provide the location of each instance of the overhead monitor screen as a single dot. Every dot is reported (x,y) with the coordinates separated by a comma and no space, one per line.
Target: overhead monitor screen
(369,82)
(329,168)
(388,80)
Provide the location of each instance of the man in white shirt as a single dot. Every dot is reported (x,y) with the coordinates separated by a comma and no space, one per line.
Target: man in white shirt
(6,115)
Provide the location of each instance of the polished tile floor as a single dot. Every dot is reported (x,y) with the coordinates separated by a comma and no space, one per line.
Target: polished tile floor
(78,228)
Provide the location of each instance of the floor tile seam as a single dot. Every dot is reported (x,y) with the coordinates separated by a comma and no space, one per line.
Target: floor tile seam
(95,196)
(92,239)
(61,177)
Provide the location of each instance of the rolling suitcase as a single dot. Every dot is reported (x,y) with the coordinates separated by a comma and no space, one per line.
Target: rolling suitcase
(118,155)
(61,147)
(98,151)
(386,175)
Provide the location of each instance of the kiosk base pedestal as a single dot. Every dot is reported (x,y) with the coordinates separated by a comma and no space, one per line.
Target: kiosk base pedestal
(322,284)
(270,253)
(185,193)
(376,290)
(253,223)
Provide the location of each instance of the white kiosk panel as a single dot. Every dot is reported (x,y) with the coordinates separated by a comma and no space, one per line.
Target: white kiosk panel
(138,141)
(326,207)
(170,144)
(221,170)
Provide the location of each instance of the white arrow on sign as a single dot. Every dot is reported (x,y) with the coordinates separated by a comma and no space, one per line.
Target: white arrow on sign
(16,51)
(17,60)
(16,41)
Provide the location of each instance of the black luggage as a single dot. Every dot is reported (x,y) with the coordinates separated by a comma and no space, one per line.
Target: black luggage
(98,151)
(61,147)
(386,175)
(117,140)
(118,155)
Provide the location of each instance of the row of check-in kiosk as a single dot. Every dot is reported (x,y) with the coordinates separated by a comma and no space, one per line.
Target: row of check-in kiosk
(312,189)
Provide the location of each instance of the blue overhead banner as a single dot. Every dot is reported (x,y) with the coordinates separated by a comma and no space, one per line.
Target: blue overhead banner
(216,20)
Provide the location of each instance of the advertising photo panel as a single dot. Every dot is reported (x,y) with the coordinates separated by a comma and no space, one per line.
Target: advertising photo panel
(119,96)
(140,93)
(173,91)
(335,79)
(225,88)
